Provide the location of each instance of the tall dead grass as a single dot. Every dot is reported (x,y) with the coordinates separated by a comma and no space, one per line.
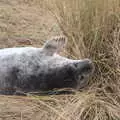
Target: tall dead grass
(93,30)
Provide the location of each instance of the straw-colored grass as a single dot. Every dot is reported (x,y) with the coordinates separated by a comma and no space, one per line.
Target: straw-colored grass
(93,31)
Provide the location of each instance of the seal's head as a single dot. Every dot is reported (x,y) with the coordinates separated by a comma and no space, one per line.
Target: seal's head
(74,74)
(64,72)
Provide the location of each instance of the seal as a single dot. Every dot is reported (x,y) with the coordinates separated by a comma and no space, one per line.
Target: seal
(29,69)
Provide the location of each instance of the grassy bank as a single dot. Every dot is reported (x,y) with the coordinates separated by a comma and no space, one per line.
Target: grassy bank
(93,30)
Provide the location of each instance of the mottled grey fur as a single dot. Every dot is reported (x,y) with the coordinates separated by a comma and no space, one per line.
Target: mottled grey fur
(30,69)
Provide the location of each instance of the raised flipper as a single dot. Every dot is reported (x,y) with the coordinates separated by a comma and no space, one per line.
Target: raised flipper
(55,45)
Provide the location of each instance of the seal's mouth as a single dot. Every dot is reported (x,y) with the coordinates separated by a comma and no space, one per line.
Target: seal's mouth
(82,81)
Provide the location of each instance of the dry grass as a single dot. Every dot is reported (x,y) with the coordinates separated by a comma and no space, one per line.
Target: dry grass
(22,23)
(93,30)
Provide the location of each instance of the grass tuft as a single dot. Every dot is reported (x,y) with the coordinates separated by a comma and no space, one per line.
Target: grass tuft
(93,30)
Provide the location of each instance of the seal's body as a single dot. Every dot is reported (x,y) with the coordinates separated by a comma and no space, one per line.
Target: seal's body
(30,69)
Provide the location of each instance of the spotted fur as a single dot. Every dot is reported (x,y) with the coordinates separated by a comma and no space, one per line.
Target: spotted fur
(30,69)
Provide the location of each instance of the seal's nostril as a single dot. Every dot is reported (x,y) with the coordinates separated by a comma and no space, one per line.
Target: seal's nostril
(88,61)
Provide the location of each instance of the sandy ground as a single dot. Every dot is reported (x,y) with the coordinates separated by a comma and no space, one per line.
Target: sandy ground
(17,108)
(23,108)
(25,23)
(33,107)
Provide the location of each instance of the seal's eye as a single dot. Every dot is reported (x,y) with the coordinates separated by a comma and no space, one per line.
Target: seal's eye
(82,77)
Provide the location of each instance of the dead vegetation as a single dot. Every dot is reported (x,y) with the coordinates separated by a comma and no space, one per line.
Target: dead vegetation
(22,23)
(93,30)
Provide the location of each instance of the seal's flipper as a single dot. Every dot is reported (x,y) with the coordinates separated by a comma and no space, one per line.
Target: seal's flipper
(55,45)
